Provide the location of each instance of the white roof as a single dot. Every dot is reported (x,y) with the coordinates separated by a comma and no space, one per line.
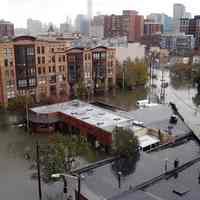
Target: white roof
(88,113)
(147,140)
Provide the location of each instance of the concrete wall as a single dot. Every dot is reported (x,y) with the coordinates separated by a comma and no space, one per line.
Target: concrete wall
(133,50)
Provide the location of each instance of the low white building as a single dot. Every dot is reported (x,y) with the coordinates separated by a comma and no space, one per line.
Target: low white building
(196,60)
(132,51)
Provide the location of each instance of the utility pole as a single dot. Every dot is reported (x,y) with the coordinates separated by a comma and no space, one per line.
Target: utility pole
(163,86)
(79,186)
(38,171)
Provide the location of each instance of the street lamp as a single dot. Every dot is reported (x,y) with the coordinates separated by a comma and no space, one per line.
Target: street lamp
(64,176)
(64,181)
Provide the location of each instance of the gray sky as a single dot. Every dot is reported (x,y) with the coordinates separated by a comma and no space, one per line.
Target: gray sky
(56,11)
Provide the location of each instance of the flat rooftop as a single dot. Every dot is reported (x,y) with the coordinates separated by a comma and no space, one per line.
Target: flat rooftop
(94,115)
(158,117)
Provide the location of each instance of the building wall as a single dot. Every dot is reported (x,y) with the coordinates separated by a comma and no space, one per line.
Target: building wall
(151,28)
(130,24)
(6,29)
(132,51)
(7,73)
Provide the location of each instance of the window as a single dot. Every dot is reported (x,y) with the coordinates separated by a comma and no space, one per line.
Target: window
(49,69)
(54,69)
(43,60)
(43,50)
(85,56)
(22,83)
(38,50)
(52,50)
(39,70)
(63,58)
(30,51)
(38,60)
(59,59)
(44,70)
(32,82)
(60,68)
(52,79)
(53,59)
(89,56)
(6,62)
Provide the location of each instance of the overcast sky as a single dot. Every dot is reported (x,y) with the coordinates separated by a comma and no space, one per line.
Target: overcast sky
(56,11)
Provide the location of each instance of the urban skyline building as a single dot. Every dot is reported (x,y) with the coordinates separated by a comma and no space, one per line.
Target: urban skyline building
(6,29)
(179,11)
(164,19)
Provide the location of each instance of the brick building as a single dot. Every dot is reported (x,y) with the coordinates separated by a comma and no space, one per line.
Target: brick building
(6,29)
(151,28)
(191,27)
(129,24)
(50,68)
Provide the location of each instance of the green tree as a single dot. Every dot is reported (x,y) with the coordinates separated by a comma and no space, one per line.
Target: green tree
(135,73)
(81,89)
(126,146)
(60,154)
(19,103)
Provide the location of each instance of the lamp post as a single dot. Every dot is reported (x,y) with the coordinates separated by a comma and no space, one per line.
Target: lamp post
(64,181)
(38,171)
(64,178)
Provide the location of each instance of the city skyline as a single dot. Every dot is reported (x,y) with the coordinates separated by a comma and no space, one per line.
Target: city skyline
(57,11)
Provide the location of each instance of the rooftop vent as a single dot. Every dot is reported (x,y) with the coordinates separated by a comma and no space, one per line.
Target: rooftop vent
(100,123)
(74,113)
(75,103)
(116,119)
(84,118)
(89,109)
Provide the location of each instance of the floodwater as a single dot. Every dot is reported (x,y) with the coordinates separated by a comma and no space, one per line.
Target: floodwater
(15,181)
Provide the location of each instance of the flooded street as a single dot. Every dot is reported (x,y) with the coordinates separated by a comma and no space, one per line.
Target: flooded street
(15,173)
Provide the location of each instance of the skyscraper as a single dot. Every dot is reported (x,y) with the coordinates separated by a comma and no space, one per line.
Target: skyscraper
(179,12)
(89,9)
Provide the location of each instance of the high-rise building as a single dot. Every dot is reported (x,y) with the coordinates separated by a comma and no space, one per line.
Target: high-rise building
(34,27)
(89,9)
(129,24)
(191,27)
(6,29)
(82,24)
(179,12)
(162,19)
(97,26)
(151,28)
(66,27)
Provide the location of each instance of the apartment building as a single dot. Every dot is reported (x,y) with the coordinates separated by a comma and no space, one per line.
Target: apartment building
(129,24)
(191,27)
(6,29)
(46,67)
(33,66)
(7,73)
(93,67)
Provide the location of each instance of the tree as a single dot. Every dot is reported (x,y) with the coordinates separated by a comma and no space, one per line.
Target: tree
(19,103)
(81,89)
(134,72)
(126,146)
(60,154)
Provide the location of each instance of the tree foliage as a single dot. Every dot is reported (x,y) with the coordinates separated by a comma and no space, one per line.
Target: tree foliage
(126,146)
(60,154)
(81,89)
(135,73)
(19,103)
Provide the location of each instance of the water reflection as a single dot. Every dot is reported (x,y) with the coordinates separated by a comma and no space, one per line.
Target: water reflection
(125,99)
